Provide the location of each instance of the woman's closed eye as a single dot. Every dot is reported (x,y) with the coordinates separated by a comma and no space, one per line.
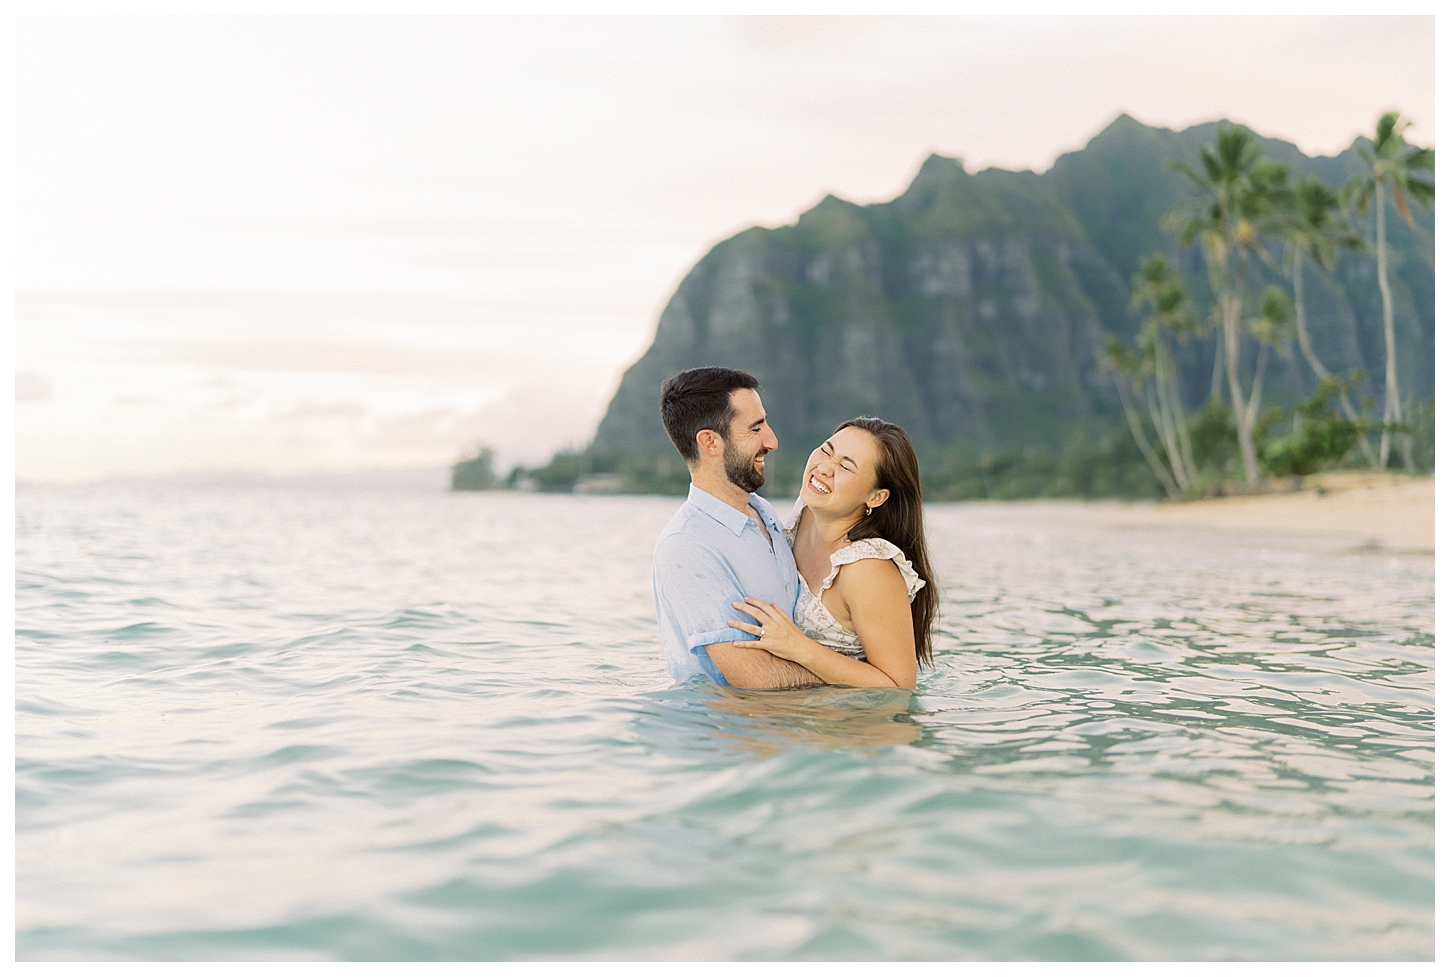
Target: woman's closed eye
(845,463)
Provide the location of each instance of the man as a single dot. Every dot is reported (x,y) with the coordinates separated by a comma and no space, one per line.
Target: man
(725,543)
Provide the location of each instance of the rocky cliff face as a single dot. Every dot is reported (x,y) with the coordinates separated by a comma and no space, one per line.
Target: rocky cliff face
(970,309)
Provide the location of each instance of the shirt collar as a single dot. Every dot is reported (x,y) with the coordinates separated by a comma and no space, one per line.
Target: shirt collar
(727,515)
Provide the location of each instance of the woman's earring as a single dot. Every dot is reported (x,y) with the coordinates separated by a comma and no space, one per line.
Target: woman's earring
(868,510)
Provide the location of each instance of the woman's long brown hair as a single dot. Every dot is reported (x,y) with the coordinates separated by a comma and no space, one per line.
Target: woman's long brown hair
(900,519)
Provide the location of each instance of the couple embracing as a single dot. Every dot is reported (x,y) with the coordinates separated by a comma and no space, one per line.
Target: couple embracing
(842,594)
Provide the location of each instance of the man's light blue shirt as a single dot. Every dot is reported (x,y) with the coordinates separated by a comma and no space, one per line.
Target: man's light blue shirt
(709,555)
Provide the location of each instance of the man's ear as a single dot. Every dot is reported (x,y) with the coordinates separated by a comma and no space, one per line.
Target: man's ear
(710,443)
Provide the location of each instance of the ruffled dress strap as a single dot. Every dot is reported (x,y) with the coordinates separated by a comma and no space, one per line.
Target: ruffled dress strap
(874,548)
(794,522)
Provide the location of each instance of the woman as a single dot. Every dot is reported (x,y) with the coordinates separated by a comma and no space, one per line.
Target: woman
(867,596)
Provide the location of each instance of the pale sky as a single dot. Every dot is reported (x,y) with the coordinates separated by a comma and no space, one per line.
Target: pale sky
(328,243)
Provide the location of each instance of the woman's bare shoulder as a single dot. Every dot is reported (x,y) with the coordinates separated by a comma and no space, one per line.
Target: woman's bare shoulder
(871,577)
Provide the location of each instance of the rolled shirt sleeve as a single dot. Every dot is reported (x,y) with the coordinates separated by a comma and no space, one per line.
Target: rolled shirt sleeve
(694,587)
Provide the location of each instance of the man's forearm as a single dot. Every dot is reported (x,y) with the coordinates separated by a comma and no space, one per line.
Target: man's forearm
(752,668)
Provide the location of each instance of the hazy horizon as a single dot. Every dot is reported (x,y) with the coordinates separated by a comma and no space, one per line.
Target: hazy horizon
(329,244)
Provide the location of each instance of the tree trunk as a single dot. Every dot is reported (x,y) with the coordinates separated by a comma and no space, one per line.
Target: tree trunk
(1319,371)
(1215,387)
(1392,379)
(1185,444)
(1253,409)
(1163,418)
(1232,308)
(1136,426)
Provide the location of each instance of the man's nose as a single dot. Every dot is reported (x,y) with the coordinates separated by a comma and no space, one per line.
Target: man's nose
(769,442)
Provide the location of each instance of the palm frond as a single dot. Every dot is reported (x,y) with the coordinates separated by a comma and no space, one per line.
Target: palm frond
(1420,159)
(1323,251)
(1421,190)
(1211,166)
(1385,133)
(1275,313)
(1257,246)
(1178,166)
(1275,306)
(1358,191)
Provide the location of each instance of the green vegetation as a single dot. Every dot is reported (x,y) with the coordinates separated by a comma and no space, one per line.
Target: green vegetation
(1087,467)
(1420,422)
(475,474)
(1319,437)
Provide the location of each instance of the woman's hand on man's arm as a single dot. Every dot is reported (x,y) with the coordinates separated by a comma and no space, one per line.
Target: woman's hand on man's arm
(746,667)
(785,640)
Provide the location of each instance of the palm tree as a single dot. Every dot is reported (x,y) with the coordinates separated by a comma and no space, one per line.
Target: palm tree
(1126,365)
(1393,162)
(1270,328)
(1157,287)
(1241,205)
(1314,229)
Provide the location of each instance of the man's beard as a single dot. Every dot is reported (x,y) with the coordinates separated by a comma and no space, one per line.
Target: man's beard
(740,469)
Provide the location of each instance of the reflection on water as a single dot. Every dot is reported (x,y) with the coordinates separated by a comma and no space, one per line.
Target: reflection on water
(763,723)
(363,725)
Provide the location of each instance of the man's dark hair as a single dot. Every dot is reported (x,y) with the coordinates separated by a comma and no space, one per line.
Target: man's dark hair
(696,400)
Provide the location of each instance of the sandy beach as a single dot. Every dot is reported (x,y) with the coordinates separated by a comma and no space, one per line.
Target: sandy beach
(1363,512)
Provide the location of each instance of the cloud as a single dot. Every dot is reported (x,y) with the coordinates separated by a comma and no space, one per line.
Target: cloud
(31,387)
(257,308)
(482,367)
(523,427)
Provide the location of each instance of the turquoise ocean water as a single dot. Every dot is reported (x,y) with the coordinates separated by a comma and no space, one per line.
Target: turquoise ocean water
(372,725)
